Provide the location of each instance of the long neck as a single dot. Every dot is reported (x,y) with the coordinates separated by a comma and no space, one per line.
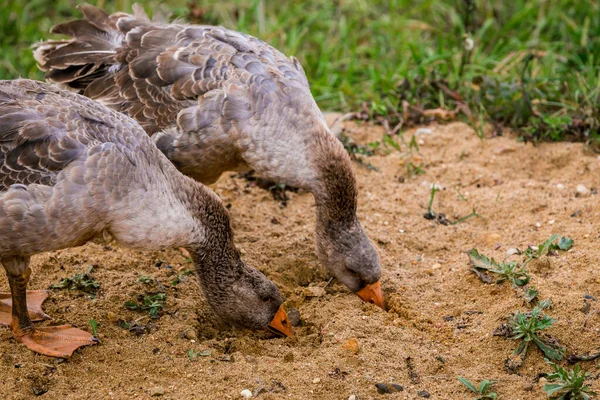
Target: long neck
(335,192)
(213,250)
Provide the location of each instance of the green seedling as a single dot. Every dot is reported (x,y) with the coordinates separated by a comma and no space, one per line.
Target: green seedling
(441,218)
(483,392)
(548,245)
(147,280)
(193,355)
(388,141)
(531,294)
(182,277)
(83,282)
(94,325)
(466,217)
(526,327)
(546,304)
(567,385)
(516,274)
(413,170)
(153,304)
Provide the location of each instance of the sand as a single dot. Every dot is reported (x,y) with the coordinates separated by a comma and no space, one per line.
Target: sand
(441,317)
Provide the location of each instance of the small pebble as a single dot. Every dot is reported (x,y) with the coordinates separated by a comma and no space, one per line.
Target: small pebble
(527,386)
(424,393)
(316,380)
(512,251)
(551,222)
(246,393)
(157,391)
(351,345)
(560,186)
(190,334)
(352,397)
(383,388)
(112,317)
(422,131)
(582,190)
(294,317)
(538,224)
(313,291)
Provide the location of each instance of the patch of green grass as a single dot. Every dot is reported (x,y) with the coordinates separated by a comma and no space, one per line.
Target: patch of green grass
(84,282)
(531,65)
(152,304)
(483,391)
(513,272)
(549,245)
(526,327)
(566,384)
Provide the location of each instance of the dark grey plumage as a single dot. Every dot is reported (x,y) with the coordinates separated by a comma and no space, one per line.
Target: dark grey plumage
(218,100)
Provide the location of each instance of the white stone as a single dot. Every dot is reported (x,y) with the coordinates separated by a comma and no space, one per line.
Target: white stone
(560,186)
(423,131)
(246,393)
(512,251)
(316,380)
(582,190)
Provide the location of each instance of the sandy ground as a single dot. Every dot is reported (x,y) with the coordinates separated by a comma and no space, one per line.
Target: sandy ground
(441,317)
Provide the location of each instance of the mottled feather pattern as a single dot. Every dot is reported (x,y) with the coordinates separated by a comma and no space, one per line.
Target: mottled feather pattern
(68,167)
(160,71)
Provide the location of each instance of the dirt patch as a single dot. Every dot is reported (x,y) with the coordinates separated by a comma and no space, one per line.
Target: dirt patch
(441,317)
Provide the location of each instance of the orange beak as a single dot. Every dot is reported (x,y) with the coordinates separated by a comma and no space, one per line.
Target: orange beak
(280,324)
(372,294)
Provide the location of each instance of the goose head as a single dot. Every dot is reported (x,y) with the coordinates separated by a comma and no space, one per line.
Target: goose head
(350,257)
(242,296)
(237,293)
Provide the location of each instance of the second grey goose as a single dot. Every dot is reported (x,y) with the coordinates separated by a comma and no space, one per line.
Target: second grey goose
(217,100)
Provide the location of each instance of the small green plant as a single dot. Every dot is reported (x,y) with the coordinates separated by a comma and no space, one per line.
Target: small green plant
(193,355)
(546,304)
(153,304)
(413,170)
(516,274)
(569,384)
(389,141)
(182,277)
(483,392)
(548,245)
(146,280)
(94,325)
(526,327)
(81,281)
(531,294)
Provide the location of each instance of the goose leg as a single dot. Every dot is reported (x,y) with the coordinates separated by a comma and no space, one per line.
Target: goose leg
(53,341)
(35,299)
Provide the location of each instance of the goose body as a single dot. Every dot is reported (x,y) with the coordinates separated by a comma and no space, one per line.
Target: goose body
(71,169)
(216,100)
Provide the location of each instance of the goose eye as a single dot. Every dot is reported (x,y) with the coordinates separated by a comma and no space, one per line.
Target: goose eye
(266,299)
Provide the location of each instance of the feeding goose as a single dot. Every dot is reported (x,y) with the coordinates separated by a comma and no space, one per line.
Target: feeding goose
(70,170)
(217,100)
